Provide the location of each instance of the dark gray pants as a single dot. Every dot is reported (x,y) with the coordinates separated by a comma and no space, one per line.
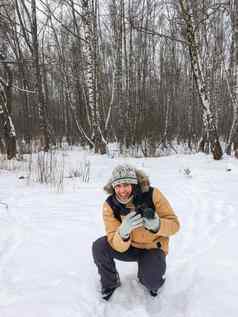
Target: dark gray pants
(151,264)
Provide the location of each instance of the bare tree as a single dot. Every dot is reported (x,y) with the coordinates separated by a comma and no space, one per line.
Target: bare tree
(90,8)
(6,83)
(119,71)
(5,112)
(42,107)
(233,136)
(29,29)
(210,139)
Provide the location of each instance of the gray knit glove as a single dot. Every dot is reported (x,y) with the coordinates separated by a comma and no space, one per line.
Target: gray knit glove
(152,224)
(129,223)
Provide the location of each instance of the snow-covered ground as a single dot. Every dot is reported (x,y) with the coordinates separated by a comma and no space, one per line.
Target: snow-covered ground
(46,268)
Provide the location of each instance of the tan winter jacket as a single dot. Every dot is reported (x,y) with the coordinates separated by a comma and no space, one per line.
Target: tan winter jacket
(140,237)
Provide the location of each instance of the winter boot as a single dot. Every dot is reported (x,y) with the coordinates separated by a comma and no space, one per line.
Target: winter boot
(107,292)
(153,293)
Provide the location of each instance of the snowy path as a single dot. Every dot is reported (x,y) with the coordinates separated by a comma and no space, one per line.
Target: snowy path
(46,269)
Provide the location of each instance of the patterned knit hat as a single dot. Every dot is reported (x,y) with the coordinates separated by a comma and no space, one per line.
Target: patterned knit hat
(123,174)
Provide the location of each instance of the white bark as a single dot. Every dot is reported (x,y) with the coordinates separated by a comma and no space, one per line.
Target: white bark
(233,136)
(90,28)
(5,113)
(111,102)
(89,13)
(12,131)
(210,131)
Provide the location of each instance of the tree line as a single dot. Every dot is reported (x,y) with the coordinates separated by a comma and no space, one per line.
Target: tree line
(143,73)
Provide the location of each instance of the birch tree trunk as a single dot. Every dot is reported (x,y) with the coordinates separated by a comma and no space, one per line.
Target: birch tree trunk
(90,29)
(116,10)
(233,135)
(25,104)
(6,83)
(5,112)
(119,79)
(210,139)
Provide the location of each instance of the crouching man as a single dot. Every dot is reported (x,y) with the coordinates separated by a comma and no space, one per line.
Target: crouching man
(138,222)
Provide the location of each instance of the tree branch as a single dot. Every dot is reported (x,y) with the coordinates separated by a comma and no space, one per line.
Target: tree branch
(135,26)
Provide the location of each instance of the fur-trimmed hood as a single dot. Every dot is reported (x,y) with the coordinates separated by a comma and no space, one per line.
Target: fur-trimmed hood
(143,181)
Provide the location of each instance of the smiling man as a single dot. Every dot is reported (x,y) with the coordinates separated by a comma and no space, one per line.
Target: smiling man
(138,222)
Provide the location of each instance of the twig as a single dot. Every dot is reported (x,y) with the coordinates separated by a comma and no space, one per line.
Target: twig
(4,204)
(24,90)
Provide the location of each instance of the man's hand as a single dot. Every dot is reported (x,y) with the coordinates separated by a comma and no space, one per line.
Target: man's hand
(129,223)
(152,224)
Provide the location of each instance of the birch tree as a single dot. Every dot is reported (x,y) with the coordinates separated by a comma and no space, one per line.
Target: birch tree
(210,139)
(5,111)
(89,11)
(233,136)
(6,81)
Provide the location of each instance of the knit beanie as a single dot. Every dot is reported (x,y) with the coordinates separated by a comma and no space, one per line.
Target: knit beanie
(123,174)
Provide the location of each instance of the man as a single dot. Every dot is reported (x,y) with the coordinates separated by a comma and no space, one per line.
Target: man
(138,222)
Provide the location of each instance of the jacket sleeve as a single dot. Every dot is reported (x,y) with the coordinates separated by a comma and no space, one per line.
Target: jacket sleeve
(111,227)
(169,223)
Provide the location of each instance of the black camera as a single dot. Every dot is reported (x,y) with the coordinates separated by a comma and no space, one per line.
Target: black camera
(145,212)
(141,204)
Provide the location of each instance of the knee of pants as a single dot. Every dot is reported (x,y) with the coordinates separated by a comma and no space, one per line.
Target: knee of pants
(152,267)
(99,246)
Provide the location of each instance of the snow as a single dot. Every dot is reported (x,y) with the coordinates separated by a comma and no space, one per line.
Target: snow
(46,267)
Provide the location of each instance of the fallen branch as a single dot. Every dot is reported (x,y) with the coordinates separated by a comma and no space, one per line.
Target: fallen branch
(4,204)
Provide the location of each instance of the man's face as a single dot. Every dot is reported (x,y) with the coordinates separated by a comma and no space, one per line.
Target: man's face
(123,191)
